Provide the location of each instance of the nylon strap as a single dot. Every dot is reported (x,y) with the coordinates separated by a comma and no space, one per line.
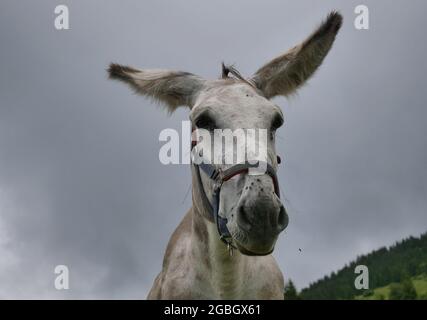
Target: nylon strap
(219,177)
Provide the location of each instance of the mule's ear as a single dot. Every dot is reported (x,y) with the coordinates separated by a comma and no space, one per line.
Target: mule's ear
(173,88)
(286,73)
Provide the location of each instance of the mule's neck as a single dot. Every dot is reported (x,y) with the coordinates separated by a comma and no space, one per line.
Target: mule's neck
(212,257)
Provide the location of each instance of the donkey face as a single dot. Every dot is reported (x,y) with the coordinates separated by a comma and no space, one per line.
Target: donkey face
(254,212)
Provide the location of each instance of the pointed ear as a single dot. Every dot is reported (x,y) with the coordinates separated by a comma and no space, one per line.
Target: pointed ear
(286,73)
(173,88)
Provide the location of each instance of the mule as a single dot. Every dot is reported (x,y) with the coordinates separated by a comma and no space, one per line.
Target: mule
(233,211)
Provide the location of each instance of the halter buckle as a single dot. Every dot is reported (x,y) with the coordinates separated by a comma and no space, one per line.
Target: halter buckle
(230,249)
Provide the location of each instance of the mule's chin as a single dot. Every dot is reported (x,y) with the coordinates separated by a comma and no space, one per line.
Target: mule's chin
(254,251)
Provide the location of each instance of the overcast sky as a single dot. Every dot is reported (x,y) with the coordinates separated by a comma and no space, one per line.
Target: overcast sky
(80,179)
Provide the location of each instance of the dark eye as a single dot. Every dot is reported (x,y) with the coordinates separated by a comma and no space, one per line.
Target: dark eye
(205,121)
(277,122)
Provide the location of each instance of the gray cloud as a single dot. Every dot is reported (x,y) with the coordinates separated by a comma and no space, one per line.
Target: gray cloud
(80,180)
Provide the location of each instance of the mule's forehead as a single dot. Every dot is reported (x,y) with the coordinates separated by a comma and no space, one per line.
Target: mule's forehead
(235,105)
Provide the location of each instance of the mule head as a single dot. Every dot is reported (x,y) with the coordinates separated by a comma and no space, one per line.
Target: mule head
(255,215)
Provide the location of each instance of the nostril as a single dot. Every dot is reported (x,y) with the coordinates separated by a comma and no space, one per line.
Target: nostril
(283,218)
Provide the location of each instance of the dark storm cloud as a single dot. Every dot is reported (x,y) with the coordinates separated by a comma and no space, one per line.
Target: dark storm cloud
(80,180)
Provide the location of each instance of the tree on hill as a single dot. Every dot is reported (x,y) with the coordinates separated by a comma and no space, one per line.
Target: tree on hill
(403,291)
(291,292)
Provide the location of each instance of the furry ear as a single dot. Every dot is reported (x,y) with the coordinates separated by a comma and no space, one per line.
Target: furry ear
(173,88)
(286,73)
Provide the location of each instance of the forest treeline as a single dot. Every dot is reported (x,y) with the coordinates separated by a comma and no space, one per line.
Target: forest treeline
(395,264)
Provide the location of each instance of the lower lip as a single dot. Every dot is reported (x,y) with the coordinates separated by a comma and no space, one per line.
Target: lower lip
(243,250)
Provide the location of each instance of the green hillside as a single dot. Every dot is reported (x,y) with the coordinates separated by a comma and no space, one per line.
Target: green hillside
(403,265)
(383,293)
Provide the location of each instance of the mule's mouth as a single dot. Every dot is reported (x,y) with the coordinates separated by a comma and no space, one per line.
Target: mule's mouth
(250,243)
(248,252)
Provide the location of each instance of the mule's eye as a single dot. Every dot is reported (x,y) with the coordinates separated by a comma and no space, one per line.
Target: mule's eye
(205,121)
(277,122)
